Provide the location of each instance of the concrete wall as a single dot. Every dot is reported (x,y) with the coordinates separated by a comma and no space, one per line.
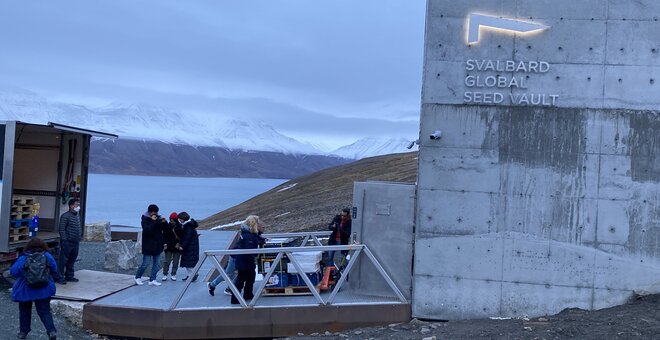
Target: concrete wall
(383,219)
(530,209)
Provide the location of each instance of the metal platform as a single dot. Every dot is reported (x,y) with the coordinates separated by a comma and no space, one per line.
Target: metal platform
(184,310)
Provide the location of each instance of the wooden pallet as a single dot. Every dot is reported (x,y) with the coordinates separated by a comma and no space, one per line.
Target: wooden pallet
(16,238)
(22,208)
(290,291)
(18,234)
(23,200)
(18,231)
(20,215)
(25,222)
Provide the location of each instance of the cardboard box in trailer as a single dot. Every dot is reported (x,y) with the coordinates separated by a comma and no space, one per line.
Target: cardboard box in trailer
(43,166)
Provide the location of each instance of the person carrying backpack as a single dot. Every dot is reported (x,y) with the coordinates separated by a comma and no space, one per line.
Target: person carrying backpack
(35,272)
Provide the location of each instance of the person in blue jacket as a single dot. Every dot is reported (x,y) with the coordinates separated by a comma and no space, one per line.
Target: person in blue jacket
(25,295)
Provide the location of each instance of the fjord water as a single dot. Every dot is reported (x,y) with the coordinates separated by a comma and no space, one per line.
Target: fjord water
(122,199)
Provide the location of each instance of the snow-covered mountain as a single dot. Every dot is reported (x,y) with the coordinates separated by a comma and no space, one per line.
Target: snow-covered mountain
(369,147)
(152,123)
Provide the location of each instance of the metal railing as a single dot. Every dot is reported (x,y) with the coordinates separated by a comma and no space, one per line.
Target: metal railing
(356,249)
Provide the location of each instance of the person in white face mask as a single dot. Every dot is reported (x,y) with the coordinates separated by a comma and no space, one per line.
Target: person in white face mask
(70,233)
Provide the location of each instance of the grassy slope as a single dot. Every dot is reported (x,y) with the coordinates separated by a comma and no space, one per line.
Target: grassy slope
(317,197)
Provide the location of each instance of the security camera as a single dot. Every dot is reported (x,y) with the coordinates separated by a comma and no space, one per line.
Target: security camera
(412,143)
(436,134)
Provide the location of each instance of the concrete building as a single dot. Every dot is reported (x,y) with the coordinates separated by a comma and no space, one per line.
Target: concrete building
(542,191)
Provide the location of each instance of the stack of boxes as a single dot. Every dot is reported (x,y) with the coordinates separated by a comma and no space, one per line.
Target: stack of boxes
(286,274)
(310,263)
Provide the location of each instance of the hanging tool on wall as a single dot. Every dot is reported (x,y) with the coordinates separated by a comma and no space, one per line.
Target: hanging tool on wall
(69,184)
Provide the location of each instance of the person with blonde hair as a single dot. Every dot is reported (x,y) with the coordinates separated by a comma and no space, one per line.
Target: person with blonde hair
(230,269)
(246,263)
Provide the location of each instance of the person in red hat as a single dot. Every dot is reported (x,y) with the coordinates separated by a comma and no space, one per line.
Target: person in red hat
(172,236)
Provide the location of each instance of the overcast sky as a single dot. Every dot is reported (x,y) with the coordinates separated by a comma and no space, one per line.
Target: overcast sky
(328,71)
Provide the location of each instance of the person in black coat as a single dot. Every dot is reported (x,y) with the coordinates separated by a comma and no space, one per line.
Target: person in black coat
(246,264)
(173,235)
(189,245)
(341,232)
(152,244)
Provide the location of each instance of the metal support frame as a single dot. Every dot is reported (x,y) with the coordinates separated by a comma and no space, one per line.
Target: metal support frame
(357,249)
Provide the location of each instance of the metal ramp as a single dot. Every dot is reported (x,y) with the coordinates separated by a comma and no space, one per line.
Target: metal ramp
(185,310)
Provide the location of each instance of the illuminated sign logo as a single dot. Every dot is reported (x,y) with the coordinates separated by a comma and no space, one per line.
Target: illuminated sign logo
(477,21)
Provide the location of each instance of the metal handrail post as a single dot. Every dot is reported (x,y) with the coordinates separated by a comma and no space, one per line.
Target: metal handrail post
(344,275)
(316,241)
(187,284)
(305,240)
(303,275)
(384,274)
(262,286)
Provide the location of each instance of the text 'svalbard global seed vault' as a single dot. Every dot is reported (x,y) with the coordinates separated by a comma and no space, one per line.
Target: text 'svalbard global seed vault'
(543,192)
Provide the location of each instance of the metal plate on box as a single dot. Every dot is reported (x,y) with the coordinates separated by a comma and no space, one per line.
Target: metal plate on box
(383,209)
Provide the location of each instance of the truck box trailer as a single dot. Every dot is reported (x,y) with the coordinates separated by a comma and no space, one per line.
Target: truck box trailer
(43,166)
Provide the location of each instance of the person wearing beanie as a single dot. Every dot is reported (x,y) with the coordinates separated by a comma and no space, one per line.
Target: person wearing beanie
(172,236)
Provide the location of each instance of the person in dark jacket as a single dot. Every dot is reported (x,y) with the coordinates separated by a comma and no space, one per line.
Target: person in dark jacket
(246,264)
(25,295)
(172,235)
(189,245)
(341,232)
(231,263)
(153,226)
(69,228)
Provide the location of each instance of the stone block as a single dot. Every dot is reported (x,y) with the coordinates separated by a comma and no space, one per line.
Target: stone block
(467,127)
(532,300)
(461,9)
(638,9)
(584,10)
(631,87)
(460,169)
(467,257)
(555,45)
(71,311)
(98,232)
(121,255)
(443,298)
(456,213)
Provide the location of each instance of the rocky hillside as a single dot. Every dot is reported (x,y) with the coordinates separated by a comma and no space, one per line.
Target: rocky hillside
(309,202)
(154,158)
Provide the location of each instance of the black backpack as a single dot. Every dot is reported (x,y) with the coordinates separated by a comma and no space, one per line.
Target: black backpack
(37,272)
